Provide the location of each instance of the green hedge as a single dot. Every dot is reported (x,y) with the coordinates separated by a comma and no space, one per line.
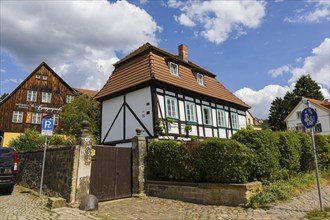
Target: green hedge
(250,155)
(212,160)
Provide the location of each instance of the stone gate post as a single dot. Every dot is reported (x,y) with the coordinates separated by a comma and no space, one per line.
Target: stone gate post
(82,164)
(139,155)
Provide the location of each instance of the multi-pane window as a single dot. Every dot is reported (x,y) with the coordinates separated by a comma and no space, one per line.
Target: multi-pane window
(200,79)
(46,97)
(36,118)
(174,69)
(32,96)
(207,115)
(190,112)
(69,98)
(318,127)
(221,118)
(234,120)
(56,119)
(17,117)
(171,107)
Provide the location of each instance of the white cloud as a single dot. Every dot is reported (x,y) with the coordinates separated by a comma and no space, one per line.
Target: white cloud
(261,100)
(280,71)
(216,20)
(318,12)
(79,39)
(15,81)
(317,65)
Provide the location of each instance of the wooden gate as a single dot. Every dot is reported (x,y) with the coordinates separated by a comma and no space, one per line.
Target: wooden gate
(111,173)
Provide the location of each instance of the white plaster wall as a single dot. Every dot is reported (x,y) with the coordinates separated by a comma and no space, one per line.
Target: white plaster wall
(110,109)
(214,117)
(242,121)
(222,133)
(161,104)
(182,111)
(199,114)
(208,132)
(140,103)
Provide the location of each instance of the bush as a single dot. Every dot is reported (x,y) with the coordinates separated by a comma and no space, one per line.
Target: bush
(224,161)
(306,158)
(167,160)
(322,144)
(33,140)
(265,165)
(290,148)
(29,140)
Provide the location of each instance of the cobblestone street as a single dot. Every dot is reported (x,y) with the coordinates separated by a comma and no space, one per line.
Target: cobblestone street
(23,204)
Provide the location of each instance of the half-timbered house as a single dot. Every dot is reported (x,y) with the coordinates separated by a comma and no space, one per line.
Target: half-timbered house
(167,96)
(42,92)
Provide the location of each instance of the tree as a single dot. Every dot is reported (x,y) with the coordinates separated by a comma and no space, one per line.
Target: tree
(281,107)
(3,96)
(82,108)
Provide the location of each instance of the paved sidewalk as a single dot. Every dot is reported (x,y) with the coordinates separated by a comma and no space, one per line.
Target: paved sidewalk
(156,208)
(23,204)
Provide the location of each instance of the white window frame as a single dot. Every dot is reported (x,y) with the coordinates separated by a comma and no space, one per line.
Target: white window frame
(44,77)
(200,79)
(234,120)
(298,114)
(221,115)
(36,117)
(190,108)
(17,117)
(69,98)
(46,97)
(207,119)
(171,106)
(38,76)
(175,69)
(32,96)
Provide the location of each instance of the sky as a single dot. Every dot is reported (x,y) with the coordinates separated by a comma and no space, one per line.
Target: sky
(257,49)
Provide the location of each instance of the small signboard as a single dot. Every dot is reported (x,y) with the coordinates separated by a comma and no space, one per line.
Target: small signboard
(309,117)
(47,126)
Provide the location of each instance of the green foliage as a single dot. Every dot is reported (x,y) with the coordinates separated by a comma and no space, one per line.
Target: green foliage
(281,107)
(212,160)
(282,190)
(29,140)
(224,161)
(33,140)
(167,159)
(3,96)
(306,158)
(317,214)
(265,164)
(322,144)
(290,148)
(82,108)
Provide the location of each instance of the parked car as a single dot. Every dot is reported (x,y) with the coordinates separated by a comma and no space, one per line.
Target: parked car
(8,169)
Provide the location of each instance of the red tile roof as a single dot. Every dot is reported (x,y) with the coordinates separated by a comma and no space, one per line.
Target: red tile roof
(91,93)
(151,63)
(324,104)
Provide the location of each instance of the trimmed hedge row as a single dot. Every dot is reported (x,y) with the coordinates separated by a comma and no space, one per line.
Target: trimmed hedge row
(250,155)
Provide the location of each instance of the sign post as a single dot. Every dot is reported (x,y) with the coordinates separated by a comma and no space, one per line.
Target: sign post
(46,130)
(309,120)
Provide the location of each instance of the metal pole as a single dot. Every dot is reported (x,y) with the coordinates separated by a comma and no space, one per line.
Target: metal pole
(316,166)
(43,166)
(317,171)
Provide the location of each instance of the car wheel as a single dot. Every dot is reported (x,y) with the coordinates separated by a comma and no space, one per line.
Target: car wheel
(9,190)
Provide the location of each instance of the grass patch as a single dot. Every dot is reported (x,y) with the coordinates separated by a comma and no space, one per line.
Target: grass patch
(318,214)
(286,189)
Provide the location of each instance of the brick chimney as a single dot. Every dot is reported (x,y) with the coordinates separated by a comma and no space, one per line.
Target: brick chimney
(183,52)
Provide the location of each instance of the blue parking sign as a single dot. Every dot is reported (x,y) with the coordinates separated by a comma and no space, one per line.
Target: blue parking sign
(309,117)
(47,127)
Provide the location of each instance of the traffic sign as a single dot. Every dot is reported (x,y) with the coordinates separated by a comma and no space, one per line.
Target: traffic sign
(47,127)
(309,117)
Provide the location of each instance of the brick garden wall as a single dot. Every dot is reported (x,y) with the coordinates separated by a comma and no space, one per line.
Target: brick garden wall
(58,172)
(204,193)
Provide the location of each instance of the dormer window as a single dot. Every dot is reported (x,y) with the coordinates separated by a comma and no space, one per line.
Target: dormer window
(200,79)
(174,69)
